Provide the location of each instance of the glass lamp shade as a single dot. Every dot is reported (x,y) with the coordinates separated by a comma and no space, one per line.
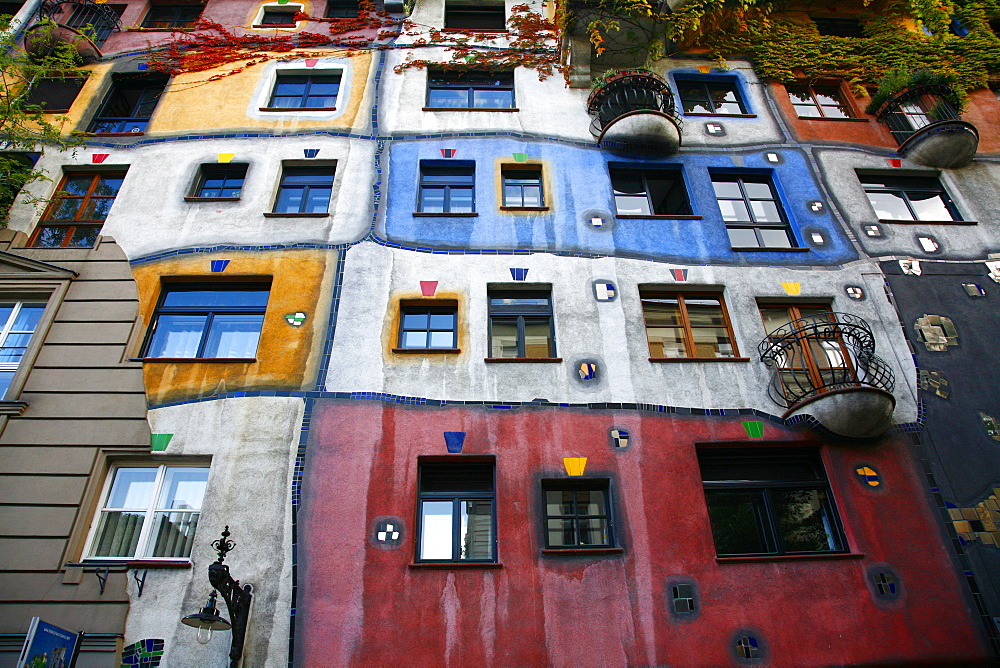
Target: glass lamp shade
(207,620)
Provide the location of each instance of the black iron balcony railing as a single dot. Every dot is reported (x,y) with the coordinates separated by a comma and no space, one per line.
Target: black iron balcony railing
(919,107)
(97,21)
(626,92)
(821,353)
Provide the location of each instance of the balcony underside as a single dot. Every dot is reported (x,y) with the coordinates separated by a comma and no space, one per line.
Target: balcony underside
(641,131)
(946,144)
(41,40)
(853,412)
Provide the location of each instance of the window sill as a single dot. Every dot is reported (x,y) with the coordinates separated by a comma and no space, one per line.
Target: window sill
(928,222)
(771,249)
(12,407)
(824,118)
(452,565)
(284,26)
(522,360)
(55,111)
(722,115)
(294,109)
(500,109)
(117,134)
(495,31)
(275,214)
(231,360)
(211,199)
(172,29)
(427,351)
(131,563)
(789,557)
(657,216)
(524,208)
(583,551)
(660,360)
(426,214)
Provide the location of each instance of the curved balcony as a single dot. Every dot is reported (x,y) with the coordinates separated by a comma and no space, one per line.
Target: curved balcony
(925,122)
(84,24)
(825,366)
(634,112)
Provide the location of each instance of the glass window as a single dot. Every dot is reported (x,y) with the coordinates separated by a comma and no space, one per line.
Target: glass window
(224,180)
(769,501)
(717,96)
(577,514)
(96,20)
(75,216)
(426,325)
(128,105)
(55,94)
(818,101)
(521,324)
(280,16)
(456,512)
(305,190)
(172,16)
(150,513)
(447,188)
(341,9)
(19,321)
(645,192)
(474,16)
(305,91)
(522,187)
(208,321)
(687,325)
(751,211)
(470,89)
(909,198)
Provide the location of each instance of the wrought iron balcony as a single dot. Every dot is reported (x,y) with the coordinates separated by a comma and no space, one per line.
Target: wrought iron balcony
(825,365)
(926,124)
(83,23)
(634,112)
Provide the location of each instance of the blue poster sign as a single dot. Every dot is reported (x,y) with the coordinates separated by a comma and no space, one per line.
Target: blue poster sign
(48,646)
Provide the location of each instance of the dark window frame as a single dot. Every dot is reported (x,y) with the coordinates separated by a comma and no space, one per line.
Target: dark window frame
(750,477)
(228,172)
(648,295)
(311,79)
(172,16)
(457,496)
(71,227)
(285,186)
(476,80)
(71,87)
(814,91)
(709,83)
(139,111)
(521,314)
(741,179)
(584,485)
(210,311)
(475,18)
(903,192)
(341,9)
(511,173)
(645,173)
(429,307)
(463,179)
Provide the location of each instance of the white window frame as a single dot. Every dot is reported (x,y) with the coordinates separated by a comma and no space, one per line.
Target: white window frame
(265,88)
(143,543)
(257,20)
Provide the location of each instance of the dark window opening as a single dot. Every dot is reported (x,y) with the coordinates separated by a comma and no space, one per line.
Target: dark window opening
(769,501)
(909,198)
(172,16)
(305,190)
(710,97)
(341,9)
(447,189)
(751,211)
(456,512)
(10,8)
(644,192)
(747,647)
(55,95)
(838,27)
(474,17)
(577,514)
(75,217)
(221,180)
(885,584)
(521,324)
(128,105)
(470,89)
(522,187)
(424,325)
(305,91)
(683,595)
(280,16)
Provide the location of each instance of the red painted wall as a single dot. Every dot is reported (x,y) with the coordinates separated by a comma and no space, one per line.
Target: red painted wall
(863,129)
(359,603)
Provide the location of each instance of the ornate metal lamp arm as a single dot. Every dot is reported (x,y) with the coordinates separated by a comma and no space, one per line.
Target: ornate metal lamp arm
(237,597)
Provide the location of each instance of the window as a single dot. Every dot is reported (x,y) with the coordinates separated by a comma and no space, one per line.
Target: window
(649,192)
(426,325)
(305,190)
(818,101)
(838,27)
(55,95)
(10,8)
(15,170)
(816,361)
(751,211)
(577,514)
(687,325)
(456,512)
(172,16)
(522,187)
(341,9)
(909,198)
(521,324)
(96,21)
(305,91)
(447,187)
(283,16)
(716,96)
(75,217)
(474,16)
(769,501)
(128,105)
(150,512)
(470,89)
(683,598)
(18,321)
(208,321)
(221,181)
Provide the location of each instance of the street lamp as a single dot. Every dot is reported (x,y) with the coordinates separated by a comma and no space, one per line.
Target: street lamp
(237,597)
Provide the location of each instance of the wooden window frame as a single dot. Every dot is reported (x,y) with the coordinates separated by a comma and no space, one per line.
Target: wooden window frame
(652,292)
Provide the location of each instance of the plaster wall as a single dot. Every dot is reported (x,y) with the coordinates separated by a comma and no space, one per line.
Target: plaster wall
(251,443)
(150,215)
(973,190)
(612,334)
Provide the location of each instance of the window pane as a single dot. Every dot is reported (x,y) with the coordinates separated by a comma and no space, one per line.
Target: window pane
(765,212)
(492,99)
(460,200)
(890,206)
(234,335)
(132,488)
(97,208)
(504,338)
(536,338)
(734,211)
(775,238)
(561,532)
(929,206)
(442,321)
(77,185)
(803,521)
(712,342)
(118,534)
(177,336)
(704,311)
(318,200)
(632,205)
(84,236)
(666,341)
(173,534)
(738,519)
(758,190)
(65,209)
(14,347)
(27,319)
(476,531)
(450,99)
(591,502)
(662,311)
(5,378)
(415,339)
(51,237)
(593,531)
(727,190)
(742,238)
(212,298)
(289,200)
(415,320)
(558,502)
(442,340)
(183,488)
(436,529)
